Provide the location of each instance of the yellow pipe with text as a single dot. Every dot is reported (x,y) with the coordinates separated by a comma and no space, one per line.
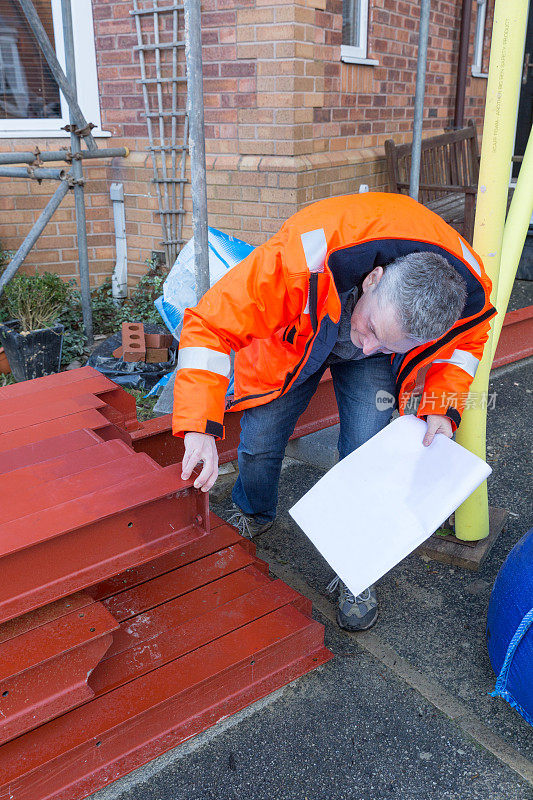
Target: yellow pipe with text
(503,88)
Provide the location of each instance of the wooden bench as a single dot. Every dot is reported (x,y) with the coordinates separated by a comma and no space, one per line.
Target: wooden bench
(449,171)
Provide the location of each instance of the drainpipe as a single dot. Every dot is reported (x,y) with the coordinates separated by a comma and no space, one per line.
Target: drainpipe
(462,64)
(119,279)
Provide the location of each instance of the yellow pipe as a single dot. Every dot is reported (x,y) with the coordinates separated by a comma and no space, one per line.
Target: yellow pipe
(503,88)
(514,236)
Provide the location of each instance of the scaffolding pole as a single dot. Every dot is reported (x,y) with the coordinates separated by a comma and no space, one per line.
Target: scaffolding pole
(416,151)
(33,173)
(35,157)
(195,95)
(77,174)
(514,236)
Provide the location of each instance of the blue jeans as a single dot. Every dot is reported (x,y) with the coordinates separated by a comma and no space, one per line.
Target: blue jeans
(265,430)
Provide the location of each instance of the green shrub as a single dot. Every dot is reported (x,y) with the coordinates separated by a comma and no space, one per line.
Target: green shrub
(139,307)
(74,340)
(28,297)
(106,310)
(108,314)
(35,300)
(4,314)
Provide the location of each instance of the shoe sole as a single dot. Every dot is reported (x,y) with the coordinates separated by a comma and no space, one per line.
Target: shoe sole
(261,532)
(356,630)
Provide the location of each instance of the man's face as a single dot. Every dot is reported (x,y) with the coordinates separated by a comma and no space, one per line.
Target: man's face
(374,326)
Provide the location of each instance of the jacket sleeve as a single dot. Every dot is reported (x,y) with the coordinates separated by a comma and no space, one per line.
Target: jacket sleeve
(448,380)
(250,302)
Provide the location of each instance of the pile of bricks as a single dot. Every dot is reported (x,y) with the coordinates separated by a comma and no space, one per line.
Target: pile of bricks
(140,346)
(130,617)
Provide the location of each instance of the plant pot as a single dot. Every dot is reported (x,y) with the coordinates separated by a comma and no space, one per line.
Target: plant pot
(32,354)
(5,369)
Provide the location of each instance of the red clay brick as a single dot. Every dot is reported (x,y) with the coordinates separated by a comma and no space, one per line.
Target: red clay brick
(155,355)
(133,341)
(157,340)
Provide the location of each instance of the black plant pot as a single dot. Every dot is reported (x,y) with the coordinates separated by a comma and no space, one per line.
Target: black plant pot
(32,354)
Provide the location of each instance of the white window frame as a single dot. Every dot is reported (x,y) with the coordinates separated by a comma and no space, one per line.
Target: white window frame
(357,54)
(86,74)
(479,40)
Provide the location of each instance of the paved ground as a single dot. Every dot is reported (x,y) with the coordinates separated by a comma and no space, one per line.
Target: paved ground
(522,294)
(402,711)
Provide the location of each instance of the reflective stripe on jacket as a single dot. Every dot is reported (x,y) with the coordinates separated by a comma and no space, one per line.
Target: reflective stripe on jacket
(279,311)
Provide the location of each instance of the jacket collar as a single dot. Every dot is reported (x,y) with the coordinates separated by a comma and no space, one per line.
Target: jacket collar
(350,264)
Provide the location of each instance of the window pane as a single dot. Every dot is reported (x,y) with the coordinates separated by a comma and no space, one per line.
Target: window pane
(350,22)
(27,88)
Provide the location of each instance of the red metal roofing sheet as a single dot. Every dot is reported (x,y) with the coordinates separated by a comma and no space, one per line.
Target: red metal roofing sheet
(160,708)
(49,381)
(44,670)
(87,555)
(35,452)
(40,397)
(68,464)
(90,419)
(29,498)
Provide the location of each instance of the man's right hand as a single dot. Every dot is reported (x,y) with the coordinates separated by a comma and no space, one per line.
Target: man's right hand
(200,447)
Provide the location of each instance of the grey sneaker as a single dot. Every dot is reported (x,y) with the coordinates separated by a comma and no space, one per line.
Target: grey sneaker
(247,525)
(355,613)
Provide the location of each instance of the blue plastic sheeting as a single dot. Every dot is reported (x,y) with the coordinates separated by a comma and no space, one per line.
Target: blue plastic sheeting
(158,388)
(179,288)
(510,628)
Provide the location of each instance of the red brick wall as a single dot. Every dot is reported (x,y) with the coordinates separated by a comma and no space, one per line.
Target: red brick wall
(267,63)
(286,121)
(275,84)
(21,202)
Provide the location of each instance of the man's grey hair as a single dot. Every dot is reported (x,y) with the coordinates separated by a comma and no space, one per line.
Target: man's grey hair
(426,292)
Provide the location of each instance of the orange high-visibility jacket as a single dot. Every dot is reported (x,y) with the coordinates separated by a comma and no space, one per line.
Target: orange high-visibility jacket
(279,310)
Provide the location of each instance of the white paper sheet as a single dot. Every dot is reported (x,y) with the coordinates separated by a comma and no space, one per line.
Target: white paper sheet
(378,504)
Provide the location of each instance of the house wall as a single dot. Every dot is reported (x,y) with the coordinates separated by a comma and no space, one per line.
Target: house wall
(287,122)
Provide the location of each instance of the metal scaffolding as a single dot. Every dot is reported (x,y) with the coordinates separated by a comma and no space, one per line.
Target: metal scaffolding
(193,37)
(168,126)
(421,63)
(70,178)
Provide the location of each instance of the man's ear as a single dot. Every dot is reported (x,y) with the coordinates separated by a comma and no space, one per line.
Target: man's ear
(372,279)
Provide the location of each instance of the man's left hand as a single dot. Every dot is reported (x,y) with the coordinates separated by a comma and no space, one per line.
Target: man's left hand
(437,423)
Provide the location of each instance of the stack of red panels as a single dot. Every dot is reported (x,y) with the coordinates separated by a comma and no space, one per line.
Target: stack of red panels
(130,618)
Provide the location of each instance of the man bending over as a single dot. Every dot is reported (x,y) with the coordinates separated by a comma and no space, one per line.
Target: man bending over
(372,286)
